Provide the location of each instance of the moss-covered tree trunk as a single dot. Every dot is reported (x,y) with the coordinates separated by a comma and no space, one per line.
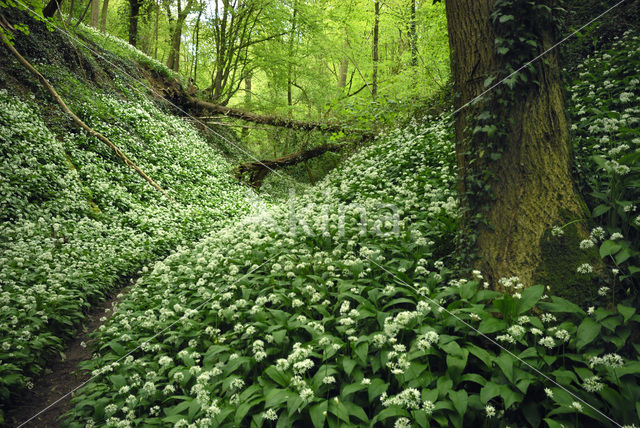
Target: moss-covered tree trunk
(531,184)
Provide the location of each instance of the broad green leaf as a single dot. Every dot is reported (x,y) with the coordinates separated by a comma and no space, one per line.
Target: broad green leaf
(318,414)
(275,396)
(489,391)
(491,325)
(599,210)
(362,349)
(459,400)
(530,296)
(588,330)
(351,388)
(376,388)
(626,311)
(608,248)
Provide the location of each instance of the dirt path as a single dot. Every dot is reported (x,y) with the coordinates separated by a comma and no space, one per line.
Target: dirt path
(62,375)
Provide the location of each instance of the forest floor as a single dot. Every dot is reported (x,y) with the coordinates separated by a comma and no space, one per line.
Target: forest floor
(63,375)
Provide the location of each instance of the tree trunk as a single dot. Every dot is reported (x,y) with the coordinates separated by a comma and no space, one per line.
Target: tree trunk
(71,7)
(95,13)
(290,59)
(134,13)
(342,73)
(531,182)
(197,46)
(50,9)
(103,17)
(155,32)
(413,35)
(376,21)
(173,62)
(174,53)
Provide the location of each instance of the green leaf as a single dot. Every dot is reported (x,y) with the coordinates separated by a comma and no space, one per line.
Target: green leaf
(338,409)
(560,305)
(481,354)
(460,400)
(348,365)
(608,248)
(277,376)
(491,325)
(489,391)
(318,414)
(444,385)
(356,411)
(275,396)
(599,210)
(530,296)
(362,350)
(553,424)
(194,408)
(505,18)
(505,362)
(626,311)
(351,388)
(622,256)
(376,388)
(588,330)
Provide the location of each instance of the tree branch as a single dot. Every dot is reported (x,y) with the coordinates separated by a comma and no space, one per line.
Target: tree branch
(75,118)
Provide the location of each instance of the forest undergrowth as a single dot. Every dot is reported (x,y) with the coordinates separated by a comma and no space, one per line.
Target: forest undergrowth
(344,305)
(341,305)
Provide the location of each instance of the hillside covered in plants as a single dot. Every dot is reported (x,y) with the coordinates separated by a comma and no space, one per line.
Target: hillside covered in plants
(453,257)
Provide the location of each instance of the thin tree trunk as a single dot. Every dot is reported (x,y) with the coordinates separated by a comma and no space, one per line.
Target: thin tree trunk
(195,53)
(89,3)
(155,32)
(531,184)
(290,59)
(134,13)
(413,35)
(247,100)
(95,13)
(103,17)
(342,73)
(71,7)
(376,21)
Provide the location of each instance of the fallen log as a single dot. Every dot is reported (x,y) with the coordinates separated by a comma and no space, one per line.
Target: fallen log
(173,91)
(254,173)
(205,106)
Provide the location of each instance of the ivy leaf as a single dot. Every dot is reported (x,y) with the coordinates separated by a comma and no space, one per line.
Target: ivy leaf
(505,18)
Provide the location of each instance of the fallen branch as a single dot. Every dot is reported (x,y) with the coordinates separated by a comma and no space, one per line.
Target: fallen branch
(75,118)
(255,172)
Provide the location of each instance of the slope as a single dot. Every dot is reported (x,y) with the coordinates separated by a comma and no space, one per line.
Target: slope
(76,223)
(345,307)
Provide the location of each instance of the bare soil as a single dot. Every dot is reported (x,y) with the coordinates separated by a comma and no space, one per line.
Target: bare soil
(61,377)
